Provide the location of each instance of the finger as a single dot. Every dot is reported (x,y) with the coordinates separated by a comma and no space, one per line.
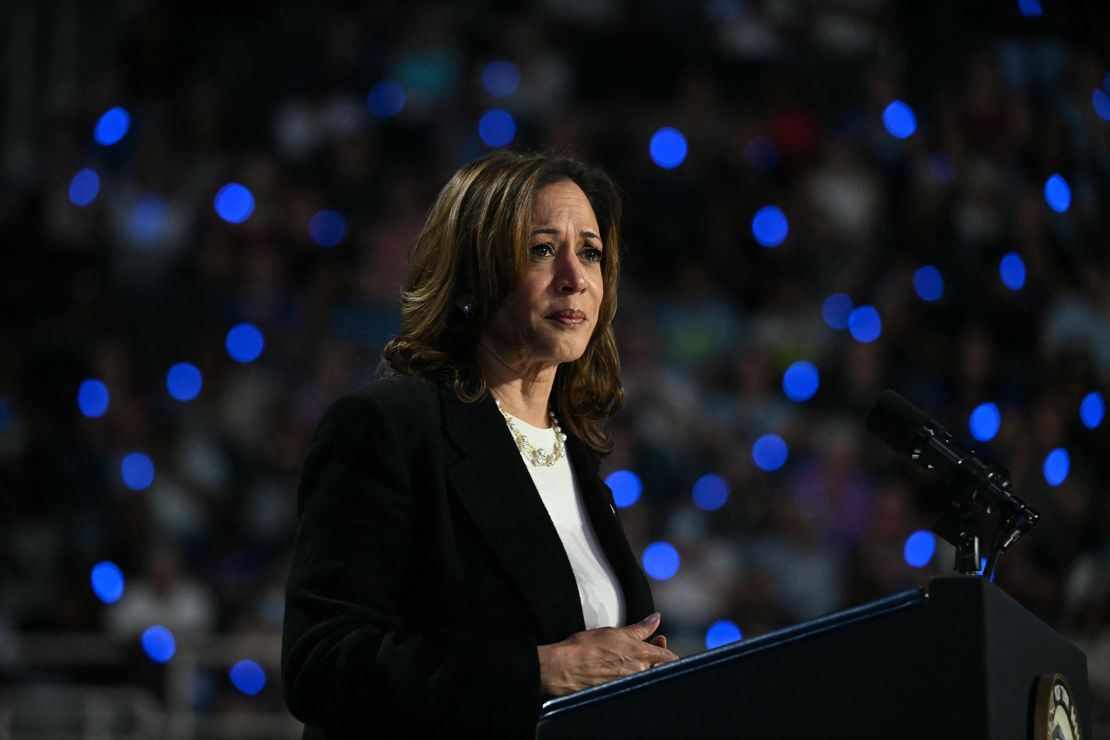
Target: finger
(660,641)
(653,653)
(643,629)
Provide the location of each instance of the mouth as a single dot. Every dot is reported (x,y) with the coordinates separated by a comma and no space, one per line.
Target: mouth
(568,317)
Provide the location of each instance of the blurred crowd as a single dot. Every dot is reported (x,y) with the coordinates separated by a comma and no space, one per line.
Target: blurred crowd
(781,102)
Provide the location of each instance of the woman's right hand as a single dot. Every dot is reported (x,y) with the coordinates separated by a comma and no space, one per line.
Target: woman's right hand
(599,655)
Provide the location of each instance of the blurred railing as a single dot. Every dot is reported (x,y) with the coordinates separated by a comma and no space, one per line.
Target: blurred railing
(96,687)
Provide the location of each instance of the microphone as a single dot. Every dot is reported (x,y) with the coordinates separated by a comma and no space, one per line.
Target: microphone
(980,486)
(908,431)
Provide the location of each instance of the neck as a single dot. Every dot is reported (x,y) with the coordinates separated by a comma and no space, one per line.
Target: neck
(524,391)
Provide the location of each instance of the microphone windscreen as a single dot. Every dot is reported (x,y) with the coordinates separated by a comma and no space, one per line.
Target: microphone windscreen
(896,421)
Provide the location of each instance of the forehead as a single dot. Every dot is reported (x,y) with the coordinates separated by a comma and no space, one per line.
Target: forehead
(560,201)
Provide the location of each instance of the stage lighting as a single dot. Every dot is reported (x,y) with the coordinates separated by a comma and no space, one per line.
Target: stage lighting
(770,452)
(1011,269)
(836,309)
(93,398)
(234,203)
(158,644)
(84,187)
(1056,466)
(112,126)
(928,283)
(899,120)
(660,560)
(919,548)
(722,632)
(327,229)
(248,677)
(668,148)
(137,471)
(800,381)
(1057,193)
(626,487)
(710,492)
(497,128)
(107,581)
(500,78)
(984,422)
(769,226)
(864,324)
(386,99)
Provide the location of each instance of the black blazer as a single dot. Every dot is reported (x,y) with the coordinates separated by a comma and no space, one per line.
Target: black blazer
(426,570)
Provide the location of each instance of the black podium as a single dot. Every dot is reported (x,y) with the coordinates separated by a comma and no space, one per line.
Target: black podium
(961,661)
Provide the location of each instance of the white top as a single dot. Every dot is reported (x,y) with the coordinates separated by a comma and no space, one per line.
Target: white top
(598,588)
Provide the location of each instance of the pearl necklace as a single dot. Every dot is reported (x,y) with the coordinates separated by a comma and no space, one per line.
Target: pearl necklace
(539,458)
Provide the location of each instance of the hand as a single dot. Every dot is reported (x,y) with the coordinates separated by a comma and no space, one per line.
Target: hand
(600,655)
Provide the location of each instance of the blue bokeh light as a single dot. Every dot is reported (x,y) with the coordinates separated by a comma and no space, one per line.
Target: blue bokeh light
(770,452)
(386,99)
(496,127)
(1056,466)
(500,78)
(626,487)
(1030,7)
(327,228)
(722,632)
(899,120)
(148,218)
(864,324)
(928,283)
(1011,269)
(1057,193)
(984,422)
(660,560)
(107,581)
(112,126)
(234,203)
(248,677)
(184,381)
(1100,101)
(244,342)
(761,154)
(1092,409)
(668,148)
(84,187)
(158,644)
(836,310)
(710,492)
(137,471)
(919,548)
(93,398)
(770,227)
(801,380)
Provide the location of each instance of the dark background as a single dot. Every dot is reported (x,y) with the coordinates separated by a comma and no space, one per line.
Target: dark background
(781,103)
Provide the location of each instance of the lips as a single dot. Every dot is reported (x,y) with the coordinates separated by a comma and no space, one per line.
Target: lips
(568,317)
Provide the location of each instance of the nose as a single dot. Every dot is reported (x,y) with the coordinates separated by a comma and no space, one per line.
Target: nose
(570,276)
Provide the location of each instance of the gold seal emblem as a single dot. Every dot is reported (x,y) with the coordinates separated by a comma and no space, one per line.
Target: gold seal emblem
(1055,716)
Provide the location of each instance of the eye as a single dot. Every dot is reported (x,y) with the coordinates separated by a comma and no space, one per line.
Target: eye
(592,254)
(540,251)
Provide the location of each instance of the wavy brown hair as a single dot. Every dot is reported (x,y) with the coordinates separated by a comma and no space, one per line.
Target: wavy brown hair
(474,249)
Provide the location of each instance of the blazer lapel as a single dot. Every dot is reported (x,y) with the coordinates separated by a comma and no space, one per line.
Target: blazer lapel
(491,481)
(598,501)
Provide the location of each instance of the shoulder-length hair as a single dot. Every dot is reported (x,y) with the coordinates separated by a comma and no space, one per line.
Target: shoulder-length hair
(473,250)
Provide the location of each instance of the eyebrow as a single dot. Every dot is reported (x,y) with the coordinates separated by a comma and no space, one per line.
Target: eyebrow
(555,232)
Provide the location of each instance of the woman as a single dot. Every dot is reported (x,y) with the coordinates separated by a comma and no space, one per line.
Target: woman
(458,559)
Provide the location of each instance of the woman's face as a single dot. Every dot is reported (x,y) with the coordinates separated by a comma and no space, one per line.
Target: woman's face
(548,319)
